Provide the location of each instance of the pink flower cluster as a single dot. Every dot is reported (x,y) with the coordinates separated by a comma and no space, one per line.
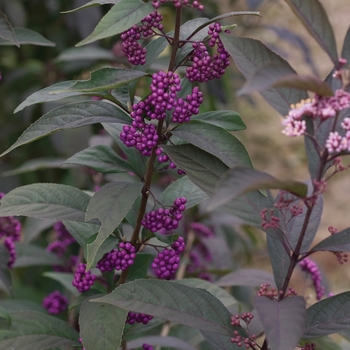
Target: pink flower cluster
(322,107)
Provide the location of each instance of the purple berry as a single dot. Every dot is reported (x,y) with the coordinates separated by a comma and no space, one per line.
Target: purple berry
(55,303)
(10,247)
(83,280)
(147,347)
(133,318)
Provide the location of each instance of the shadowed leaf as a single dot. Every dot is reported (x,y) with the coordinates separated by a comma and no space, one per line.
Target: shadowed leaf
(65,279)
(338,242)
(167,341)
(6,31)
(93,3)
(26,36)
(246,277)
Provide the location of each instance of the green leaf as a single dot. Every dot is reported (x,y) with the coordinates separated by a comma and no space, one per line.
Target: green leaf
(205,170)
(172,301)
(140,267)
(26,36)
(103,79)
(110,205)
(33,227)
(65,279)
(4,316)
(246,277)
(278,75)
(31,330)
(93,3)
(5,275)
(338,242)
(283,320)
(20,305)
(6,30)
(46,201)
(167,238)
(219,293)
(136,160)
(81,231)
(314,18)
(119,18)
(71,116)
(214,140)
(101,325)
(183,187)
(250,54)
(219,341)
(164,341)
(240,180)
(100,158)
(83,296)
(34,255)
(324,343)
(85,53)
(229,120)
(328,316)
(35,164)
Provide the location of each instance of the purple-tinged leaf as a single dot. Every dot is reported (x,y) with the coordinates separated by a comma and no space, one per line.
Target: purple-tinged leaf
(345,52)
(214,140)
(172,301)
(73,115)
(314,18)
(338,242)
(100,158)
(6,31)
(240,180)
(219,251)
(93,3)
(249,55)
(25,36)
(278,75)
(168,341)
(246,277)
(120,17)
(110,205)
(46,201)
(95,323)
(328,316)
(283,321)
(219,341)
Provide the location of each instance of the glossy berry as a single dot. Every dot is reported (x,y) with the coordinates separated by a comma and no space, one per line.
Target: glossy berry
(167,219)
(166,264)
(83,280)
(55,303)
(147,347)
(133,318)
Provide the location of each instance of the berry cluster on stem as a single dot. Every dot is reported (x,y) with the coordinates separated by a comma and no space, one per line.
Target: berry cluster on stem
(83,280)
(134,317)
(55,303)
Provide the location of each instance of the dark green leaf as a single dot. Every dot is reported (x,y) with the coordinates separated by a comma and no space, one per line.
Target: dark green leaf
(219,293)
(240,180)
(134,157)
(216,141)
(93,3)
(71,116)
(85,53)
(109,244)
(167,239)
(26,36)
(104,79)
(250,54)
(5,275)
(35,164)
(228,120)
(20,305)
(34,255)
(172,301)
(100,158)
(278,75)
(110,205)
(33,227)
(167,341)
(79,300)
(46,201)
(101,325)
(6,30)
(31,330)
(65,279)
(120,17)
(338,242)
(328,316)
(345,52)
(140,267)
(283,321)
(183,187)
(314,18)
(81,231)
(246,277)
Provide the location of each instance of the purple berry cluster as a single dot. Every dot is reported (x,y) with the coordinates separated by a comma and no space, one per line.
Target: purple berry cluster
(167,219)
(164,158)
(201,230)
(177,3)
(133,50)
(10,229)
(63,241)
(83,280)
(204,66)
(118,259)
(147,347)
(311,268)
(55,303)
(134,317)
(167,262)
(309,346)
(249,341)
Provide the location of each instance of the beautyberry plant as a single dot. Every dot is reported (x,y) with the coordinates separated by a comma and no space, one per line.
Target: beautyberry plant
(138,255)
